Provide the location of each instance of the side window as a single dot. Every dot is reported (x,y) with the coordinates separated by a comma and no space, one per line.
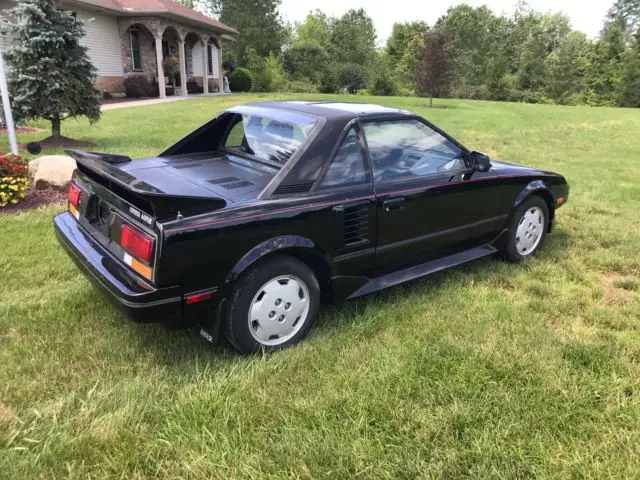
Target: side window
(136,52)
(236,136)
(348,166)
(409,148)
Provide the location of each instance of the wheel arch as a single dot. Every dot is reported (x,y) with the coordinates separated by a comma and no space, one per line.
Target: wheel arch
(540,189)
(298,247)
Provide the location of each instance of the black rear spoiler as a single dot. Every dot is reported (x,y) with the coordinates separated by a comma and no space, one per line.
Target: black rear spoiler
(100,167)
(110,158)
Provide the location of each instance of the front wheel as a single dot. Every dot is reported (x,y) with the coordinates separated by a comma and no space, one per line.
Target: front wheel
(273,305)
(527,229)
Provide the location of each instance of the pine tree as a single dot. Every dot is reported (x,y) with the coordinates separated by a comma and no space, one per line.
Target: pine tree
(50,74)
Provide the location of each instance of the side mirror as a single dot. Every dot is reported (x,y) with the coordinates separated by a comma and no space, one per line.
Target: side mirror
(480,162)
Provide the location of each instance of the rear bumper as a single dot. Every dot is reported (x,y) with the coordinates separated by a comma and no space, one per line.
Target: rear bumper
(137,299)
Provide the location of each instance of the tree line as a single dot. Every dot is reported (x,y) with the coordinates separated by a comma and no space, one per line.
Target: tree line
(469,52)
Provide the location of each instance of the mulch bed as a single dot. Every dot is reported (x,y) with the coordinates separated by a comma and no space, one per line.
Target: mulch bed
(64,142)
(35,198)
(21,130)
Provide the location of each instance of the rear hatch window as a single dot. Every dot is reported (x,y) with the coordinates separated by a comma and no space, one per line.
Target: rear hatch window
(271,137)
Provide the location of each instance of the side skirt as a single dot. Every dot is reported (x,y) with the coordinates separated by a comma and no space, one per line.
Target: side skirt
(427,268)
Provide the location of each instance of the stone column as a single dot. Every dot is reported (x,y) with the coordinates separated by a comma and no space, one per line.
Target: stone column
(182,59)
(161,85)
(205,68)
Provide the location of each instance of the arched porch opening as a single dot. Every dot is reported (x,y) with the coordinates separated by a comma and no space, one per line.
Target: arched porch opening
(214,64)
(138,51)
(193,62)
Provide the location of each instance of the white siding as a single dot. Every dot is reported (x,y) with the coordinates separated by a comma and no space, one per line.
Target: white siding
(197,59)
(214,59)
(103,42)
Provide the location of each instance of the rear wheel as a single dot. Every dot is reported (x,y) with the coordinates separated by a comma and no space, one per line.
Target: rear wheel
(272,306)
(527,229)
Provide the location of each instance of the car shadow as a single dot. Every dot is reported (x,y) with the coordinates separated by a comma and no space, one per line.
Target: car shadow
(176,349)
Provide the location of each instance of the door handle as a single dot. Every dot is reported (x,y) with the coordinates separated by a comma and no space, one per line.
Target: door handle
(393,204)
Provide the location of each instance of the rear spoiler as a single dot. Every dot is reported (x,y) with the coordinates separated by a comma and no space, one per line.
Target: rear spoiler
(101,168)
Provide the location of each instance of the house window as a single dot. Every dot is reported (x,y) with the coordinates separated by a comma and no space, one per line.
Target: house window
(136,54)
(209,59)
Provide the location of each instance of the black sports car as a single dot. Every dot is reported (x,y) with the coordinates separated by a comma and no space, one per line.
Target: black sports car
(248,224)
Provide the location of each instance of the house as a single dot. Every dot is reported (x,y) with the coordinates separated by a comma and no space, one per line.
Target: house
(132,37)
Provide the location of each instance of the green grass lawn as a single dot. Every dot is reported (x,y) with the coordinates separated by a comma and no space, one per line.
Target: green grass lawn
(488,370)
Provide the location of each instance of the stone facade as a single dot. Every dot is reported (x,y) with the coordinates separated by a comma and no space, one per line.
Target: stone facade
(109,84)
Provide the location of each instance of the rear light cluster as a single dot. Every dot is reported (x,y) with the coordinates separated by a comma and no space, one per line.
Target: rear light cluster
(139,250)
(74,200)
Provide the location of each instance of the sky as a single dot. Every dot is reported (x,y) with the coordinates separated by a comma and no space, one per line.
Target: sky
(586,15)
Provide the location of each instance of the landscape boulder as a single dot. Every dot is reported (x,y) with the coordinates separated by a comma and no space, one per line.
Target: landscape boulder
(52,171)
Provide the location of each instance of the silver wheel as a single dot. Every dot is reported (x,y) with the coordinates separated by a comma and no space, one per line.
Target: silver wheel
(530,230)
(279,310)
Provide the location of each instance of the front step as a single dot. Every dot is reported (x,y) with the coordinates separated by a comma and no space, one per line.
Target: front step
(427,268)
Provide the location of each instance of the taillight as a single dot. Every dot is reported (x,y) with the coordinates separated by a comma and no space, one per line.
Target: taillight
(74,194)
(137,243)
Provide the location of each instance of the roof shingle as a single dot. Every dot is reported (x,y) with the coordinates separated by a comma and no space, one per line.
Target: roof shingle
(159,6)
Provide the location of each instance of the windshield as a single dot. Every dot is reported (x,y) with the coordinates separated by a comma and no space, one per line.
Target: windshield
(270,136)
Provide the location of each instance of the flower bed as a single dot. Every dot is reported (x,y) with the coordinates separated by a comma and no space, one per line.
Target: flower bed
(14,171)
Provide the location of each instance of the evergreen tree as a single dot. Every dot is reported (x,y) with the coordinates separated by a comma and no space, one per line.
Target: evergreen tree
(630,83)
(50,74)
(259,24)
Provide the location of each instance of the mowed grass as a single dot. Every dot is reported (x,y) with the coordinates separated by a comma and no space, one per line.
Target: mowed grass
(489,370)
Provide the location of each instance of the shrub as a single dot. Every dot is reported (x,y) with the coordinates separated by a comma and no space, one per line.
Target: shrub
(241,80)
(136,86)
(384,85)
(13,166)
(364,92)
(472,92)
(12,190)
(268,74)
(302,86)
(352,77)
(229,65)
(329,82)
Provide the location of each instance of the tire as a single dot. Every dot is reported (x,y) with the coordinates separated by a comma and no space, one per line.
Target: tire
(527,230)
(273,305)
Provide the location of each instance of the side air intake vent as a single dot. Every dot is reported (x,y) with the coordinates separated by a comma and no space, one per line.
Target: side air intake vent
(300,187)
(356,225)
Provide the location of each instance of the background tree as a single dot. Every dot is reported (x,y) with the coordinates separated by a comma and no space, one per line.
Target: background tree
(630,82)
(50,74)
(435,64)
(259,23)
(626,15)
(353,40)
(568,67)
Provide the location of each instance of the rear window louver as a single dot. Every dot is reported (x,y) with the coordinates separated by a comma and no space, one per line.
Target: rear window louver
(238,184)
(231,183)
(220,181)
(300,187)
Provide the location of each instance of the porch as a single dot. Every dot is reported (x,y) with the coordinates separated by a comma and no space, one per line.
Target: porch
(148,43)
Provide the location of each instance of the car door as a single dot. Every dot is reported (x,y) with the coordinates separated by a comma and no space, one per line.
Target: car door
(427,204)
(347,180)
